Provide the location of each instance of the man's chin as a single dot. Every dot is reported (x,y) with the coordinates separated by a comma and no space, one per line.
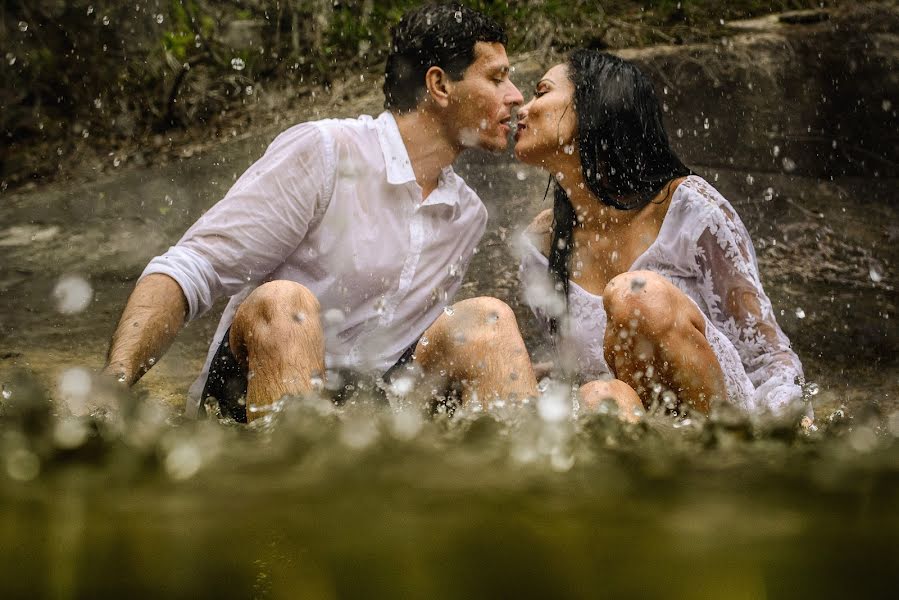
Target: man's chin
(494,145)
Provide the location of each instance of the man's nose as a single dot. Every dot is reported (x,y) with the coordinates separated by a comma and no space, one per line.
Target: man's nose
(514,97)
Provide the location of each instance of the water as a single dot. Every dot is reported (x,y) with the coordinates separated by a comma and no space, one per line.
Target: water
(498,502)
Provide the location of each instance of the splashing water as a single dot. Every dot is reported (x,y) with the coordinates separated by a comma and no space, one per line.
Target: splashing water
(72,294)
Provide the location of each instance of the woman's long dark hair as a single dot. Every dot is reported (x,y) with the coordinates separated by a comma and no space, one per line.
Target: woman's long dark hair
(625,156)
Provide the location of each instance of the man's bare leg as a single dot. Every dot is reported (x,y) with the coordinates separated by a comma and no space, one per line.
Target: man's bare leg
(594,393)
(277,337)
(655,335)
(478,345)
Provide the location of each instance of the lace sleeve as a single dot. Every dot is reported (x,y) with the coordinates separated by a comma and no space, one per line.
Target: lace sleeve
(729,281)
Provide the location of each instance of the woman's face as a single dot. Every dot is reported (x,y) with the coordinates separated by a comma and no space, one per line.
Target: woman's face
(547,125)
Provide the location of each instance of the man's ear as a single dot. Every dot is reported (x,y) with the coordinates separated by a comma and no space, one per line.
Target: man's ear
(439,86)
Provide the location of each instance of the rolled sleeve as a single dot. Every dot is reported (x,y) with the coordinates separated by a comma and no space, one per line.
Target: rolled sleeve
(257,225)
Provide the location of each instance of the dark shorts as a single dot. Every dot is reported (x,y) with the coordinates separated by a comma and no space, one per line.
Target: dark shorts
(227,382)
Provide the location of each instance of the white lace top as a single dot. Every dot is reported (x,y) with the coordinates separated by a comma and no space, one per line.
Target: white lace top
(704,249)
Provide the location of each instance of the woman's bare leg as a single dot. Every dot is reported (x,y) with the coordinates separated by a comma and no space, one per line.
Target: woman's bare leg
(277,337)
(478,345)
(656,336)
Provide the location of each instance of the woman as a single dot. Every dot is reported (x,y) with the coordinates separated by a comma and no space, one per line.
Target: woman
(657,274)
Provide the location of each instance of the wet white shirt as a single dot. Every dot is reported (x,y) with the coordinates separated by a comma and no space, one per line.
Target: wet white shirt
(334,205)
(704,249)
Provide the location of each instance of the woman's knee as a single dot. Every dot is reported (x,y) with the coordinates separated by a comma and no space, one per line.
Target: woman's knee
(641,302)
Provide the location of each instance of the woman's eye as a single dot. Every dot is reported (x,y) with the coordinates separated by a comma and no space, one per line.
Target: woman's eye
(539,93)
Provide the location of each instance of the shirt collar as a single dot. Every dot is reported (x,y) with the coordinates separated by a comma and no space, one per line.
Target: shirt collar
(399,167)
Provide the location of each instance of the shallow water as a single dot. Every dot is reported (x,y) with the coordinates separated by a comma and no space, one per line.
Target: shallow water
(366,501)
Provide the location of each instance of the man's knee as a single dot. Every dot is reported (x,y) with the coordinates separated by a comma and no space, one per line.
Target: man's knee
(641,302)
(278,300)
(478,319)
(472,331)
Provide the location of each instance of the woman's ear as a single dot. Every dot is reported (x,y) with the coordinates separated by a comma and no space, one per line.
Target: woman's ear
(438,85)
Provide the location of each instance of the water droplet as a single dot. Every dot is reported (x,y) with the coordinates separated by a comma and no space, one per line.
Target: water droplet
(401,386)
(768,194)
(248,90)
(73,294)
(90,10)
(116,161)
(458,16)
(553,407)
(705,124)
(74,387)
(680,132)
(775,151)
(521,175)
(637,284)
(10,58)
(449,310)
(568,149)
(886,105)
(159,18)
(7,393)
(238,64)
(317,383)
(183,461)
(875,275)
(334,316)
(69,434)
(23,27)
(424,341)
(23,464)
(800,314)
(789,164)
(105,20)
(492,317)
(750,179)
(812,388)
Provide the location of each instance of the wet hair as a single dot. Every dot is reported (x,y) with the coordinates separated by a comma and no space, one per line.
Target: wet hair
(435,35)
(626,158)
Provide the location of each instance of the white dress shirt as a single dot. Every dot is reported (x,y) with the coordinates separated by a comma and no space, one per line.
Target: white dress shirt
(334,205)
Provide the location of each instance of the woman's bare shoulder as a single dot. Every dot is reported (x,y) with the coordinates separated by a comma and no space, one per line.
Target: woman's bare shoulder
(540,231)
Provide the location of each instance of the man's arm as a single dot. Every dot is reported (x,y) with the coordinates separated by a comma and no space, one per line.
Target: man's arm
(152,318)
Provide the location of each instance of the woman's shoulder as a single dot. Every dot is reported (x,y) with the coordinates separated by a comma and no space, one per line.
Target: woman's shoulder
(539,232)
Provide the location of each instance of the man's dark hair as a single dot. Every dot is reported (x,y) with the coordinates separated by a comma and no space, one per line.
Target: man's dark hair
(436,35)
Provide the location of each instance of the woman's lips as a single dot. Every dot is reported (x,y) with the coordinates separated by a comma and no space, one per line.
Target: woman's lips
(518,129)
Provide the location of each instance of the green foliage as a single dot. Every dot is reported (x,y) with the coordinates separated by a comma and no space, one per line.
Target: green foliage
(119,68)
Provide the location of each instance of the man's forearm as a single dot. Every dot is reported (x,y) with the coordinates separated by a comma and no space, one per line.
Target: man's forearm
(152,318)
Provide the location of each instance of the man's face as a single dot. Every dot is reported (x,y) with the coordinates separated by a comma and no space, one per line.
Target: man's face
(481,103)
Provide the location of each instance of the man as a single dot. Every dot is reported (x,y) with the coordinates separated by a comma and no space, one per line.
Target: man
(342,246)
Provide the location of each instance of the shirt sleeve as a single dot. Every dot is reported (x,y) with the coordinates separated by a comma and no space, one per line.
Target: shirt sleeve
(729,282)
(257,225)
